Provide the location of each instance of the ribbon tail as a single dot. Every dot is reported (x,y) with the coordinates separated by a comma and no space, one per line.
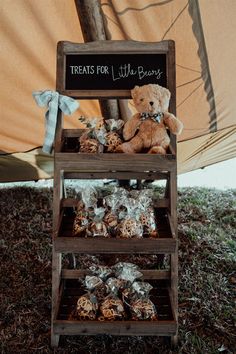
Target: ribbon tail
(50,129)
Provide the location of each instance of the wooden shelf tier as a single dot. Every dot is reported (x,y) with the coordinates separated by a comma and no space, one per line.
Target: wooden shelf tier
(165,325)
(68,158)
(166,242)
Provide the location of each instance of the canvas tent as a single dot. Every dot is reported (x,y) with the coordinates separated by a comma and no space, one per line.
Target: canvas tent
(204,34)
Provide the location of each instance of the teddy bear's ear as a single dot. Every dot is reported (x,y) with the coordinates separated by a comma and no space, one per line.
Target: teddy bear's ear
(166,93)
(134,91)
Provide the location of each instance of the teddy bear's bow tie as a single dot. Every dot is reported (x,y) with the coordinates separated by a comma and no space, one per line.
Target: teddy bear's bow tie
(156,116)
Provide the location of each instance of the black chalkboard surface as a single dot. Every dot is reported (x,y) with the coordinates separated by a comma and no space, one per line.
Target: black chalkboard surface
(114,71)
(111,69)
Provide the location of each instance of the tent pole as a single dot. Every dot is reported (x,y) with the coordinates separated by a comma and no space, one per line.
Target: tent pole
(92,26)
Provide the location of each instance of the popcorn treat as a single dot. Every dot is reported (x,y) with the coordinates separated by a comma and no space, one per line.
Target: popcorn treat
(116,199)
(87,307)
(145,211)
(114,285)
(148,222)
(126,271)
(91,282)
(143,309)
(130,225)
(113,125)
(141,288)
(81,220)
(111,221)
(112,309)
(136,291)
(101,271)
(89,197)
(98,227)
(91,146)
(80,223)
(118,267)
(129,228)
(94,138)
(129,274)
(101,292)
(112,141)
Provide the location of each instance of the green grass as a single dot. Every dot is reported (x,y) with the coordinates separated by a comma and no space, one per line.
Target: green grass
(207,278)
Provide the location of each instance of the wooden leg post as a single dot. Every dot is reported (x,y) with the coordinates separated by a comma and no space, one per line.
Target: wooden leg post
(56,274)
(58,192)
(174,256)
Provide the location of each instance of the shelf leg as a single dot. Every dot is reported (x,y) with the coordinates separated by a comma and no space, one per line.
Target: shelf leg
(56,275)
(55,338)
(174,341)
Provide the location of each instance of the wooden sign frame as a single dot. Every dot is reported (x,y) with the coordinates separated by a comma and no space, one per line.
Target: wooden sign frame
(68,53)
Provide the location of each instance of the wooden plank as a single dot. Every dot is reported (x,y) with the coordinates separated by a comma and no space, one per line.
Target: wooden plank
(172,87)
(121,328)
(72,133)
(115,162)
(173,231)
(147,274)
(56,279)
(115,46)
(58,134)
(115,175)
(114,246)
(72,202)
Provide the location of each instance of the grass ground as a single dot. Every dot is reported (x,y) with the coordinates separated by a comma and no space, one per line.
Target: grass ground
(207,258)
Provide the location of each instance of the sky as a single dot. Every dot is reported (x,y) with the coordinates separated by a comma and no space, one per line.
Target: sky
(221,176)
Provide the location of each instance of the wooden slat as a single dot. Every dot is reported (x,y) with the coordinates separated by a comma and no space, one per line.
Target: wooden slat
(109,245)
(115,175)
(72,202)
(114,46)
(147,274)
(121,328)
(173,231)
(115,162)
(72,133)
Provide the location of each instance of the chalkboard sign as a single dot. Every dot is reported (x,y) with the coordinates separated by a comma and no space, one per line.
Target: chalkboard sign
(112,68)
(114,71)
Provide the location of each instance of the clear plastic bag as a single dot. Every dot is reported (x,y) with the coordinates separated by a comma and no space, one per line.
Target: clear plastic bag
(143,309)
(130,225)
(111,309)
(97,228)
(101,271)
(87,307)
(92,281)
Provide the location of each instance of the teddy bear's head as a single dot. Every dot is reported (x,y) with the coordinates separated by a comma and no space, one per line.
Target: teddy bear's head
(151,98)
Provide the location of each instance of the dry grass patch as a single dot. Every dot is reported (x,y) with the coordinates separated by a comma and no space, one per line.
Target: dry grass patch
(207,255)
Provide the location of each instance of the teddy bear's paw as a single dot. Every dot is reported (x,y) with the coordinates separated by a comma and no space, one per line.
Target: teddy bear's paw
(157,150)
(125,147)
(119,149)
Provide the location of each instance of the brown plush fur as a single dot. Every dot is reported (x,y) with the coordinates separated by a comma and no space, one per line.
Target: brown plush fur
(149,134)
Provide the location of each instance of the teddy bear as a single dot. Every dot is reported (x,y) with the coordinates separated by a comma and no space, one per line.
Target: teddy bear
(147,129)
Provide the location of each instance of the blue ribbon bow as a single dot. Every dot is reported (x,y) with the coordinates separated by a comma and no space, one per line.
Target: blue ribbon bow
(53,100)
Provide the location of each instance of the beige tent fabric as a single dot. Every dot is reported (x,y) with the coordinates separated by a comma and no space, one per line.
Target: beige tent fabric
(204,34)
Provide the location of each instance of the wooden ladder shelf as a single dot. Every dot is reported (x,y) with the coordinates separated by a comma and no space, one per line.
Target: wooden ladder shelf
(71,165)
